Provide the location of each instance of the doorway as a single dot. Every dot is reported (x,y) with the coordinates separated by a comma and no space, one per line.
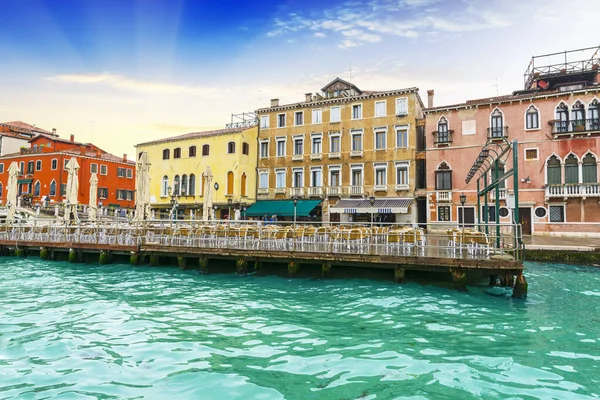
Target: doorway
(525,220)
(466,216)
(422,211)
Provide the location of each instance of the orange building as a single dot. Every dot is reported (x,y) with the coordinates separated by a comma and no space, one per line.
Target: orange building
(42,172)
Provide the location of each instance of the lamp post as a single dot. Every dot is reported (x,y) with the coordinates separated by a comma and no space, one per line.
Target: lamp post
(216,186)
(215,208)
(295,200)
(463,200)
(372,201)
(229,201)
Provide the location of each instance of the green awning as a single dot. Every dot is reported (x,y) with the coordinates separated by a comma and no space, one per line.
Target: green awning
(281,208)
(24,181)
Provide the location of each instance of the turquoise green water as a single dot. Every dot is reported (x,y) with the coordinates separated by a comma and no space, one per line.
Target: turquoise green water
(87,331)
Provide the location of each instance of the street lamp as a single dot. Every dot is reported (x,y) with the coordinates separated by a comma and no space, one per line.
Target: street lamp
(229,201)
(463,200)
(372,201)
(295,200)
(215,214)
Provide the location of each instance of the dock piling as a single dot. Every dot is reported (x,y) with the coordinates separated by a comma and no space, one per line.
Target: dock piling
(181,261)
(521,286)
(203,264)
(293,268)
(241,266)
(326,270)
(399,275)
(154,260)
(134,258)
(459,278)
(104,257)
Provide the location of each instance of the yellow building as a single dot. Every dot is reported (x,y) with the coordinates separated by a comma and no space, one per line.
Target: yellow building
(179,166)
(354,150)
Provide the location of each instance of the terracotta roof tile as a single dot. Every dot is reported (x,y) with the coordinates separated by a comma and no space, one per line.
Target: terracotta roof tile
(193,135)
(22,126)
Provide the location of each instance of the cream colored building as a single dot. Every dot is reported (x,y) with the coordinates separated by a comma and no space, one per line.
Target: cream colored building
(352,149)
(179,166)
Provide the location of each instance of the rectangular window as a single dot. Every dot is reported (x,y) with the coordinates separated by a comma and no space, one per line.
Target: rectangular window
(380,175)
(491,215)
(334,144)
(121,172)
(102,193)
(93,168)
(380,142)
(356,111)
(166,154)
(356,176)
(38,165)
(129,173)
(1,168)
(280,178)
(280,147)
(120,194)
(264,149)
(298,178)
(280,120)
(334,114)
(192,151)
(263,180)
(298,146)
(317,116)
(557,213)
(177,153)
(357,142)
(54,164)
(66,161)
(103,170)
(334,177)
(443,213)
(531,154)
(299,118)
(402,106)
(443,180)
(380,108)
(402,174)
(245,148)
(402,137)
(63,189)
(532,120)
(316,177)
(316,145)
(264,121)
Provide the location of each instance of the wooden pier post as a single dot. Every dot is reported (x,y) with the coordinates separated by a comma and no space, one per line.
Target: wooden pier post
(181,261)
(104,257)
(293,268)
(520,289)
(72,256)
(241,266)
(399,275)
(134,258)
(459,277)
(257,265)
(44,253)
(203,263)
(326,270)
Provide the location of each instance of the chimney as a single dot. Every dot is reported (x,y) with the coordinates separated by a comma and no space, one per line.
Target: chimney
(53,131)
(124,157)
(72,138)
(274,102)
(307,97)
(430,94)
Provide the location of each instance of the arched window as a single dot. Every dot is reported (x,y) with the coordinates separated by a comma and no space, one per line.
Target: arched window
(593,117)
(164,186)
(192,151)
(553,171)
(36,189)
(571,169)
(562,118)
(589,169)
(243,185)
(245,148)
(52,188)
(497,124)
(442,130)
(500,172)
(192,188)
(578,116)
(184,185)
(532,118)
(443,177)
(205,150)
(230,183)
(176,185)
(231,147)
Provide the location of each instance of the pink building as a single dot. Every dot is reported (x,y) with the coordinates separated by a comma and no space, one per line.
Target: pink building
(556,123)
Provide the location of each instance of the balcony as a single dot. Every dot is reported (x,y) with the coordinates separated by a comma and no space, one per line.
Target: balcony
(298,157)
(334,191)
(573,190)
(501,194)
(356,153)
(335,154)
(297,191)
(356,190)
(316,191)
(442,138)
(497,132)
(443,196)
(576,127)
(262,192)
(316,156)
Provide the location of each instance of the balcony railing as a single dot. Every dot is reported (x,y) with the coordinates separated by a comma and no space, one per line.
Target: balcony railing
(442,137)
(315,191)
(334,191)
(443,195)
(575,126)
(262,191)
(573,190)
(498,132)
(297,191)
(356,190)
(501,194)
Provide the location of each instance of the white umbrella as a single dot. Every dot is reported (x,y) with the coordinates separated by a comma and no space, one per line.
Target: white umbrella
(93,204)
(11,195)
(142,188)
(208,201)
(72,189)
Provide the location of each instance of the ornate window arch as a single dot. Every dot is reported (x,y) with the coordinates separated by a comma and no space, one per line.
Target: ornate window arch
(164,186)
(443,177)
(589,168)
(561,113)
(52,191)
(571,163)
(553,170)
(184,185)
(532,118)
(496,123)
(192,185)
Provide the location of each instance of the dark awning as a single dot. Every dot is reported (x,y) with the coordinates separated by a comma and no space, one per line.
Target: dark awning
(380,206)
(24,181)
(281,208)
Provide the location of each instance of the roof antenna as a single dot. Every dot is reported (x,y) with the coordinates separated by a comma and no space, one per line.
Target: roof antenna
(496,86)
(350,70)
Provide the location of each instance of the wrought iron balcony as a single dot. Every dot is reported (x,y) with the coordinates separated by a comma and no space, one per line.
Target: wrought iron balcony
(575,127)
(573,190)
(443,195)
(442,137)
(498,132)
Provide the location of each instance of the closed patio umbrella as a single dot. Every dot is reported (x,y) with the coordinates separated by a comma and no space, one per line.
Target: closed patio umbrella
(208,201)
(72,190)
(142,188)
(93,204)
(11,195)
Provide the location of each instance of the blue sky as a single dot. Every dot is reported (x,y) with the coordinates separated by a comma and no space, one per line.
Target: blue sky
(119,72)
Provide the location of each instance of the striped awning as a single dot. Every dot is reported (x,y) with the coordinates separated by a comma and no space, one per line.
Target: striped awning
(380,206)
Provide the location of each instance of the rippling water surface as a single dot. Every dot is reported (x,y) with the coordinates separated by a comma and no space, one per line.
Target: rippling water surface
(72,331)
